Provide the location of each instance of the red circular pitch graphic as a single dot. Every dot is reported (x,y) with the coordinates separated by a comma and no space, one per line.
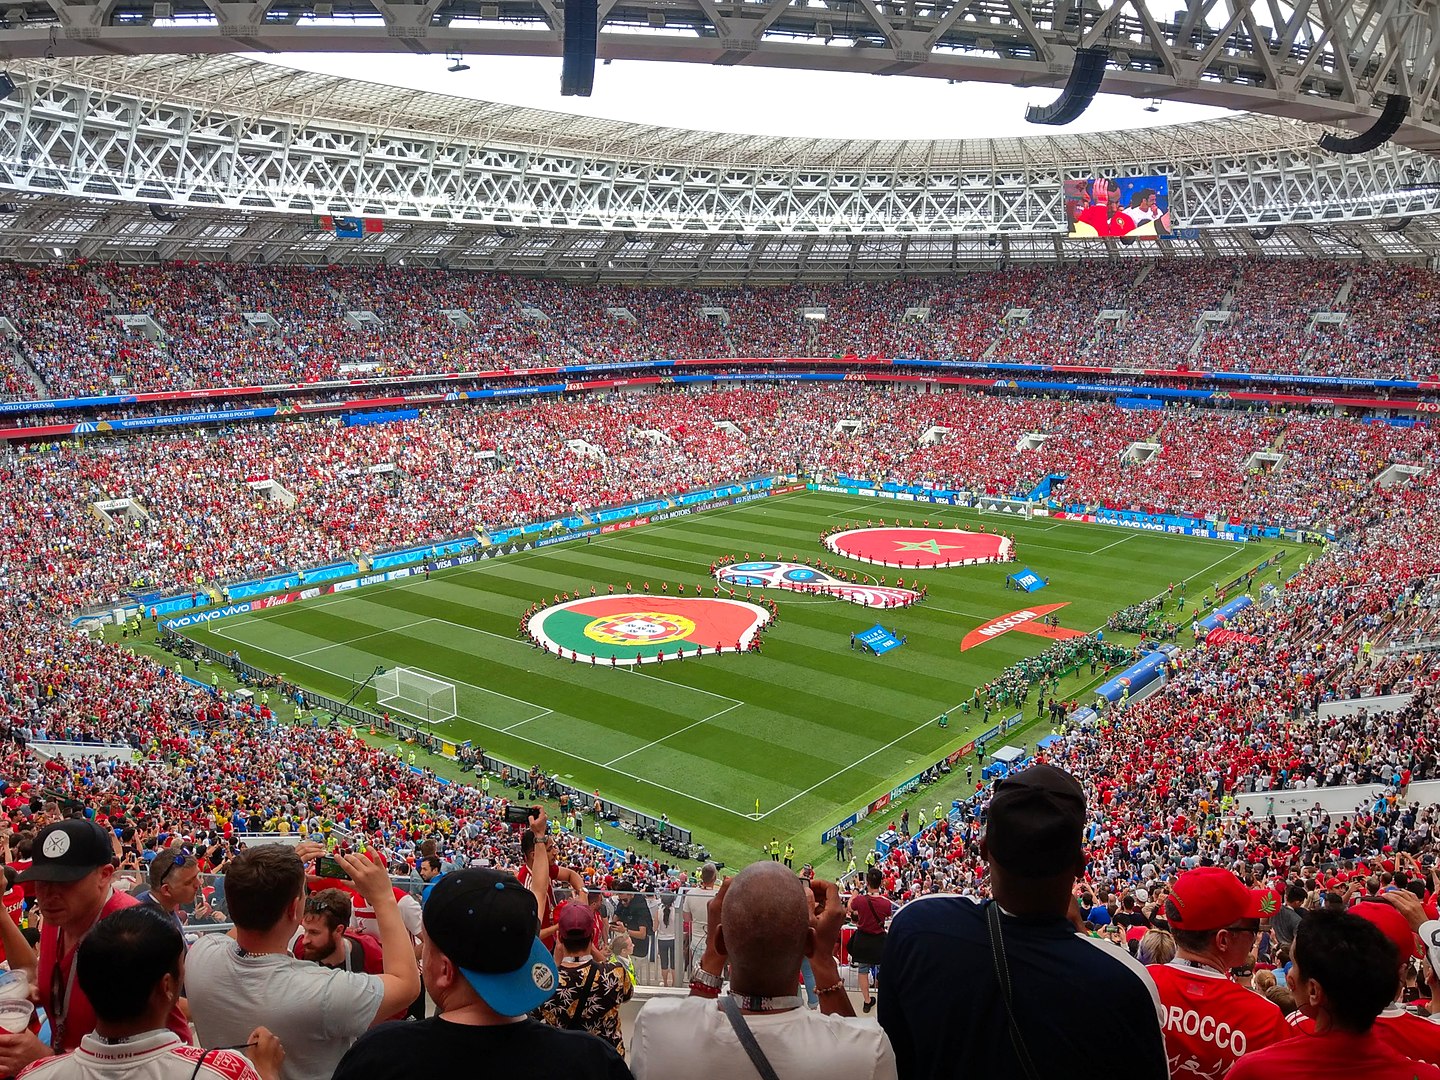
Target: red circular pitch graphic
(919,548)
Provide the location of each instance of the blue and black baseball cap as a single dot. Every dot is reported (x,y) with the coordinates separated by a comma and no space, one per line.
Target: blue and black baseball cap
(488,925)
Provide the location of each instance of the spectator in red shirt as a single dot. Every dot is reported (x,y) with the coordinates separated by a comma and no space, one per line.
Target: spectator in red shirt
(1342,978)
(1414,1036)
(1210,1020)
(871,911)
(72,868)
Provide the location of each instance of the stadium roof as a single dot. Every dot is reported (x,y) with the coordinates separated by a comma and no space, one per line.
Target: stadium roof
(55,226)
(238,84)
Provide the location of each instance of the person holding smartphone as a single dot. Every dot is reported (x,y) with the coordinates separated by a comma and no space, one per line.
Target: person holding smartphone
(541,869)
(317,1012)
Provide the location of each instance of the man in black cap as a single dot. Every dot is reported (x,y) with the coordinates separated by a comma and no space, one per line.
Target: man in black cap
(131,967)
(1007,986)
(72,867)
(486,968)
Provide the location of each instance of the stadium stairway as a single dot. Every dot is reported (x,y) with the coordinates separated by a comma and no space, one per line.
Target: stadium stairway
(221,285)
(22,365)
(999,338)
(1342,294)
(97,281)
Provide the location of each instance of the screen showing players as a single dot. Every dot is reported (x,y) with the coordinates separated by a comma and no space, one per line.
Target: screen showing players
(1128,207)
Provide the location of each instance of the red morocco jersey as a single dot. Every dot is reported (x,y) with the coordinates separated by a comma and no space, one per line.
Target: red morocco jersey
(1332,1056)
(1211,1022)
(1414,1036)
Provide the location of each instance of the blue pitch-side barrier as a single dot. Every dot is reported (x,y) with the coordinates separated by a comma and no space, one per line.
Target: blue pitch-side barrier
(1225,611)
(330,573)
(178,603)
(649,506)
(1176,523)
(878,640)
(1028,580)
(164,605)
(422,551)
(632,510)
(1137,676)
(904,492)
(1138,403)
(275,583)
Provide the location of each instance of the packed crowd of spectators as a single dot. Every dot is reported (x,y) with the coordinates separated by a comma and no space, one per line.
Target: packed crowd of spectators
(1241,717)
(205,516)
(1164,783)
(213,325)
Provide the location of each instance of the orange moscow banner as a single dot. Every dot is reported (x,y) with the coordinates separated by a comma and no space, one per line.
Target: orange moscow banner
(1019,620)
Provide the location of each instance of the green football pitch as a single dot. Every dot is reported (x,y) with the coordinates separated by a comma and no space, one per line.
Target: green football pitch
(808,727)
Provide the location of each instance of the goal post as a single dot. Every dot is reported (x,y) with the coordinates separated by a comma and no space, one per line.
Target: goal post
(416,694)
(1001,504)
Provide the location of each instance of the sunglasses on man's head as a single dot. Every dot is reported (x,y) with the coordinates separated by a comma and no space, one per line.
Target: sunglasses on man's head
(181,861)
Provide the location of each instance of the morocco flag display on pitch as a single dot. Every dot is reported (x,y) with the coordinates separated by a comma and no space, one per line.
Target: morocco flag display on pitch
(636,629)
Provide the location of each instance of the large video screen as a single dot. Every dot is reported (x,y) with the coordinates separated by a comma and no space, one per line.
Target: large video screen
(1127,207)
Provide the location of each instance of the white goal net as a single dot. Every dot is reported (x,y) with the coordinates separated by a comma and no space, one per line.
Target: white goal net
(424,697)
(996,504)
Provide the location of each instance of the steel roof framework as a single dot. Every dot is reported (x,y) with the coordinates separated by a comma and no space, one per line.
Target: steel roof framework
(52,227)
(1316,60)
(88,142)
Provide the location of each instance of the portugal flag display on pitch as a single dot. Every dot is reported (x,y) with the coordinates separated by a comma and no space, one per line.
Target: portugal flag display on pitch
(635,629)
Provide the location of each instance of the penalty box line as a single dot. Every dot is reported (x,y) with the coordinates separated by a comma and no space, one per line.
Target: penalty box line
(297,658)
(548,746)
(735,703)
(671,735)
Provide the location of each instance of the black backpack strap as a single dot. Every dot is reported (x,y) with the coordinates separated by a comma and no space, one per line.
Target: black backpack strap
(747,1038)
(356,960)
(1002,976)
(577,1011)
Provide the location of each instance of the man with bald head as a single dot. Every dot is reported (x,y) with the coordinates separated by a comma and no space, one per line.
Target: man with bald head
(763,923)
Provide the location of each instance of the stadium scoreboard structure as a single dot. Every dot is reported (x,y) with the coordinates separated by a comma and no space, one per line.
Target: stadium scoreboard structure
(440,187)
